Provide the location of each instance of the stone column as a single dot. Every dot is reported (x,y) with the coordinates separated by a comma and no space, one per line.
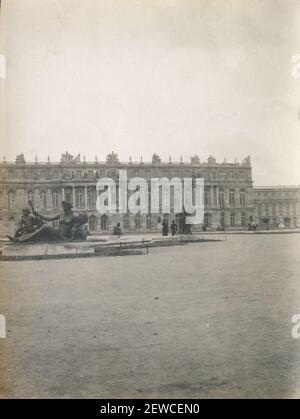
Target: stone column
(211,196)
(217,197)
(63,193)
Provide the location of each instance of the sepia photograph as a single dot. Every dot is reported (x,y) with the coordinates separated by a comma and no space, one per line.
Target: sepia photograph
(149,202)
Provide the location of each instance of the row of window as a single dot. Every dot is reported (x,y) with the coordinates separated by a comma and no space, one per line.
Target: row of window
(91,173)
(234,198)
(209,198)
(281,209)
(56,198)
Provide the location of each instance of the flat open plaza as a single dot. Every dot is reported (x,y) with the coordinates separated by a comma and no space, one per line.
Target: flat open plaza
(199,320)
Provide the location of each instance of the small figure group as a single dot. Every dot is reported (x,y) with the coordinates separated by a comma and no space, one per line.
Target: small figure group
(165,228)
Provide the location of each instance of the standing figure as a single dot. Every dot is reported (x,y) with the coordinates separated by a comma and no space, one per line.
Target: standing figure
(174,228)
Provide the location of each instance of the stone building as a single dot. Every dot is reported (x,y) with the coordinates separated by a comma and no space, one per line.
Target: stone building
(229,200)
(277,206)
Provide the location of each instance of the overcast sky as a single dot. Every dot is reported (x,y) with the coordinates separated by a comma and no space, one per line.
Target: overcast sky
(175,77)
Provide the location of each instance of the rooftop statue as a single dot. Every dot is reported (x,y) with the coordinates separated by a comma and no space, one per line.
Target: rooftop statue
(32,226)
(156,158)
(112,158)
(20,159)
(195,159)
(67,158)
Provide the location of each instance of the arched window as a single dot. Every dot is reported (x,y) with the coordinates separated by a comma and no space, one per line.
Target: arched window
(231,198)
(104,222)
(11,200)
(43,200)
(243,219)
(55,199)
(91,199)
(221,198)
(138,221)
(79,198)
(92,223)
(126,222)
(232,219)
(243,198)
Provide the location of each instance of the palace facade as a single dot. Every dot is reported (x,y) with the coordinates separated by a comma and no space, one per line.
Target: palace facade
(229,194)
(277,206)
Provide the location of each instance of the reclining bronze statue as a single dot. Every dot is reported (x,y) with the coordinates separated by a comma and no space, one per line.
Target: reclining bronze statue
(32,227)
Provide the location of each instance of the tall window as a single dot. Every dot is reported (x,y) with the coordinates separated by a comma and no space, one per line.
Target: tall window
(243,198)
(243,219)
(92,223)
(43,200)
(91,199)
(232,219)
(232,197)
(11,200)
(55,199)
(1,199)
(221,197)
(79,198)
(104,222)
(138,221)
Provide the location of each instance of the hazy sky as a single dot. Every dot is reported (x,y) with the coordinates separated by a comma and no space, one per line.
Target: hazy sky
(175,77)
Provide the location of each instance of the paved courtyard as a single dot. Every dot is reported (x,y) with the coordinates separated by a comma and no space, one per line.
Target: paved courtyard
(201,320)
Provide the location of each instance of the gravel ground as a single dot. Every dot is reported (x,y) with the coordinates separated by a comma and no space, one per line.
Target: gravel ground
(201,320)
